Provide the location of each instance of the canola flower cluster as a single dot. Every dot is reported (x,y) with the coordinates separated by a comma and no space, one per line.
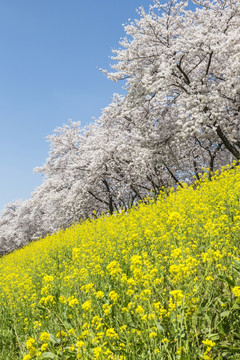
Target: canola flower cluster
(161,281)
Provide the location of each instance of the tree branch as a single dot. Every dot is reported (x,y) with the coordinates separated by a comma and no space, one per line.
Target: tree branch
(187,80)
(228,145)
(97,198)
(209,62)
(172,175)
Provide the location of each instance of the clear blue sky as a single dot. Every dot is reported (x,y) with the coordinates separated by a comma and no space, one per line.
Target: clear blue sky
(50,54)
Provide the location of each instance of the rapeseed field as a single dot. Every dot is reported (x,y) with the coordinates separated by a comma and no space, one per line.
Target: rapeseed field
(161,281)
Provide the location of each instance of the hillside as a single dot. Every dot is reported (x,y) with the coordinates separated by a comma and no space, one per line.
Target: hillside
(159,282)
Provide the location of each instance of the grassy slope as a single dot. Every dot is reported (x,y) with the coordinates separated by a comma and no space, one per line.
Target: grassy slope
(160,282)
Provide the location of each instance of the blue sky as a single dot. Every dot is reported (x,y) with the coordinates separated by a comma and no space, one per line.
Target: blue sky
(50,54)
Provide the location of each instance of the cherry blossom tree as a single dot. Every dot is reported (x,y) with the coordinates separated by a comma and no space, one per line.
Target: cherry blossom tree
(186,64)
(99,168)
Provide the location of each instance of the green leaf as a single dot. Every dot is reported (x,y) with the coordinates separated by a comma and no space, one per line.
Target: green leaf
(231,349)
(213,336)
(48,355)
(226,279)
(236,306)
(237,263)
(54,340)
(235,349)
(226,354)
(159,327)
(225,313)
(209,320)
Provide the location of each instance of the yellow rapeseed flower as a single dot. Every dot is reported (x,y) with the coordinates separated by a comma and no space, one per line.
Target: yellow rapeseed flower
(45,336)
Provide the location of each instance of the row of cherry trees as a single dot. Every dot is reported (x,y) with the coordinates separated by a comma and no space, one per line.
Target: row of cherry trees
(180,63)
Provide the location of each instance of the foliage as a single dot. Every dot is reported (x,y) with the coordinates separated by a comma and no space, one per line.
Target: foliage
(160,281)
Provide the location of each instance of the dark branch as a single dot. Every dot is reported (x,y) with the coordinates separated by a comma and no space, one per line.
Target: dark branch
(209,62)
(172,175)
(97,198)
(187,80)
(227,143)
